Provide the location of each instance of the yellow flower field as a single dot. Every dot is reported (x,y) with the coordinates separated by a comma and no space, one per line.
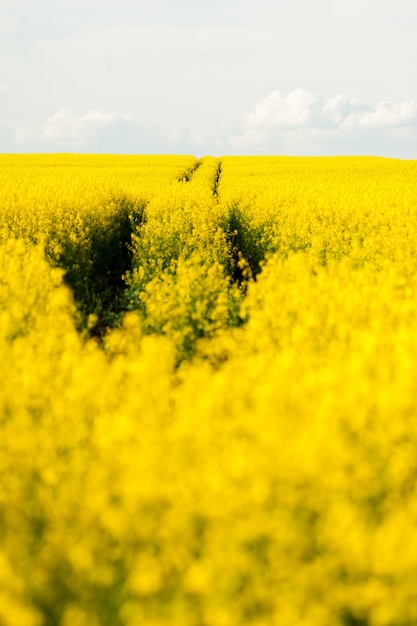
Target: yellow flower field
(208,391)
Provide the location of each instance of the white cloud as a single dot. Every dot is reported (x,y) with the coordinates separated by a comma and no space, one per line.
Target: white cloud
(93,131)
(338,109)
(66,129)
(304,109)
(278,111)
(388,114)
(98,131)
(304,123)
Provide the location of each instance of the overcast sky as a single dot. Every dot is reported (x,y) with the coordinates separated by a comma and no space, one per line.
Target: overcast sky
(302,77)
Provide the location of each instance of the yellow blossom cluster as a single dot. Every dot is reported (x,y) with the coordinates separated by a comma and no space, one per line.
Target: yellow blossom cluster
(239,446)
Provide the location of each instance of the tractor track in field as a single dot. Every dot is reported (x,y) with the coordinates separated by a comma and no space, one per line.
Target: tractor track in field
(216,180)
(245,248)
(189,173)
(97,282)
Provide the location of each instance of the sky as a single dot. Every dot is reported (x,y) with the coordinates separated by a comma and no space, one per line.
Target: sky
(209,77)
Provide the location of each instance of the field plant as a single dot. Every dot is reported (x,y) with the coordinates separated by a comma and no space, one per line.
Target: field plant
(208,391)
